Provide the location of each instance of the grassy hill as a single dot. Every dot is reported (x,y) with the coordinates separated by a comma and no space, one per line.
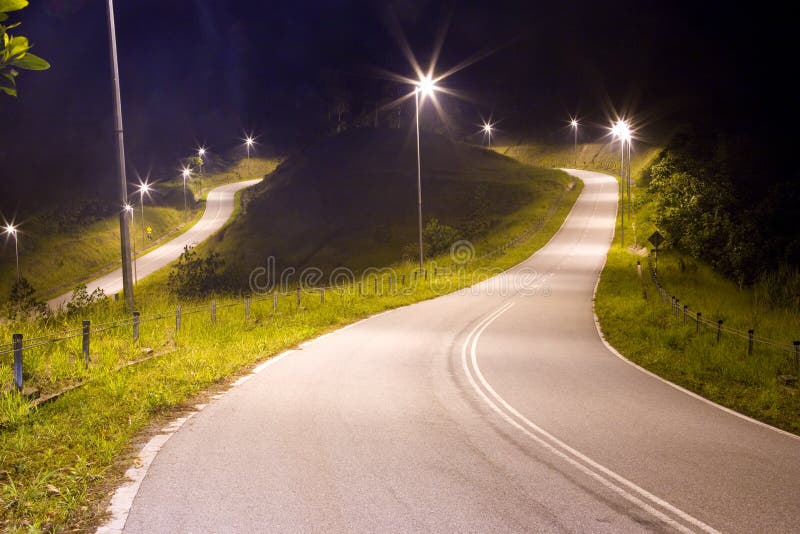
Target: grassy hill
(352,201)
(64,246)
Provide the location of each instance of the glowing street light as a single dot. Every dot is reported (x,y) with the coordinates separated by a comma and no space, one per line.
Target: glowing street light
(11,230)
(129,209)
(574,123)
(622,131)
(144,188)
(426,86)
(249,141)
(201,153)
(487,130)
(186,172)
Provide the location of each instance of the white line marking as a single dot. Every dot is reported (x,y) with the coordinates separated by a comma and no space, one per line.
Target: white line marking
(558,447)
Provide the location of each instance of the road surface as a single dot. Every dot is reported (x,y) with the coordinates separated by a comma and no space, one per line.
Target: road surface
(219,207)
(497,409)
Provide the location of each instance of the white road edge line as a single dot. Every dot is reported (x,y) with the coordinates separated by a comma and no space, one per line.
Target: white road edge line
(558,447)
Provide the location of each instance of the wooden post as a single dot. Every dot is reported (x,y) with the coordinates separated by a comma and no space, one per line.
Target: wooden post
(719,329)
(135,326)
(685,312)
(699,317)
(17,338)
(86,331)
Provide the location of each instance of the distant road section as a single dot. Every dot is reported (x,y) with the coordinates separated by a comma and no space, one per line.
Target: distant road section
(219,207)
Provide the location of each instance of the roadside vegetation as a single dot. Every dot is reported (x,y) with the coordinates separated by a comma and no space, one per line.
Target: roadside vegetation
(714,262)
(61,460)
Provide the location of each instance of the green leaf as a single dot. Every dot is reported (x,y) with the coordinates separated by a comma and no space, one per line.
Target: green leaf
(31,62)
(10,91)
(12,5)
(3,17)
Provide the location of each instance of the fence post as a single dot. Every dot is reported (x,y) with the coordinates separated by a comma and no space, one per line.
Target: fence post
(275,301)
(403,280)
(178,319)
(135,326)
(298,297)
(247,307)
(435,272)
(685,312)
(18,361)
(677,307)
(322,295)
(796,357)
(86,331)
(214,310)
(750,342)
(360,290)
(375,284)
(672,303)
(415,275)
(699,317)
(719,329)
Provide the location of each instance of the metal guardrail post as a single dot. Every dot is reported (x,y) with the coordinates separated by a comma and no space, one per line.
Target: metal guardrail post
(136,326)
(17,338)
(750,342)
(86,333)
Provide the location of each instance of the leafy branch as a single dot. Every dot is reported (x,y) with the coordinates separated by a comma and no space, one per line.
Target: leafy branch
(15,50)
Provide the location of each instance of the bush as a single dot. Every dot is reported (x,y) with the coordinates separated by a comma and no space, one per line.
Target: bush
(81,299)
(22,303)
(438,237)
(194,276)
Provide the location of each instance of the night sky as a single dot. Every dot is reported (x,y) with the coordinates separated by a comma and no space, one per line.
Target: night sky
(203,71)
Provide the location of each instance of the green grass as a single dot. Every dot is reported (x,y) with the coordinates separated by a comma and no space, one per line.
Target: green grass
(57,257)
(58,462)
(646,332)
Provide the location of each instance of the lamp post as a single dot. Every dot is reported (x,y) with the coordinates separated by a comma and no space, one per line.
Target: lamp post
(187,173)
(487,130)
(127,282)
(574,124)
(201,153)
(622,131)
(143,188)
(129,209)
(12,230)
(249,141)
(426,86)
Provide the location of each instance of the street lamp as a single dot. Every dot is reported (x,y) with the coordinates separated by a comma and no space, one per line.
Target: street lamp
(144,188)
(249,141)
(129,209)
(187,173)
(201,153)
(426,86)
(11,230)
(574,123)
(487,130)
(622,131)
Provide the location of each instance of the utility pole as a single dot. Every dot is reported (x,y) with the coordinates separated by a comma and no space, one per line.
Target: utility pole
(127,279)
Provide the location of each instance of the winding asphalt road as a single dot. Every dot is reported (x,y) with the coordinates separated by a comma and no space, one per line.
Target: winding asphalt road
(496,409)
(219,207)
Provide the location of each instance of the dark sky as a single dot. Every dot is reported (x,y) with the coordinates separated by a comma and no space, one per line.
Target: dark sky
(202,71)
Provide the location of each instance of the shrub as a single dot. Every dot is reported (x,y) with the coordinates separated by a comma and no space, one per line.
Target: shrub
(22,303)
(438,237)
(81,299)
(194,276)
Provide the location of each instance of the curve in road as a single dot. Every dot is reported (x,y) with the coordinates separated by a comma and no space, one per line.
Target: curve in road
(219,207)
(497,408)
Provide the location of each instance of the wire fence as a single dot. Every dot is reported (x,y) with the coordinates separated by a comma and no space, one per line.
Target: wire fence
(687,316)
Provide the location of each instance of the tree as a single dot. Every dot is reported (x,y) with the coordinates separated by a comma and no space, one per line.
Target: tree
(15,50)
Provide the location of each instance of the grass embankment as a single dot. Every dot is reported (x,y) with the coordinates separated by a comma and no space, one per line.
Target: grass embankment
(60,460)
(58,254)
(646,332)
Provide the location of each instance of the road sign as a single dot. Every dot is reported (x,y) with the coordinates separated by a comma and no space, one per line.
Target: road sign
(656,239)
